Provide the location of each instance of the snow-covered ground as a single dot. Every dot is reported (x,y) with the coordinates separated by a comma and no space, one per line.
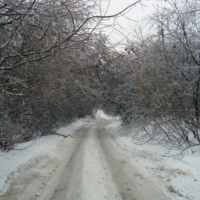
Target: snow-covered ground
(177,178)
(23,153)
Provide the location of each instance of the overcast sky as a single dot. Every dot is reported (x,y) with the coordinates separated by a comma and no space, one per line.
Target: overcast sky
(125,24)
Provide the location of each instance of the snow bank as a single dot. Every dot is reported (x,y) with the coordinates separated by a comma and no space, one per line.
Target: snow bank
(10,161)
(70,129)
(176,178)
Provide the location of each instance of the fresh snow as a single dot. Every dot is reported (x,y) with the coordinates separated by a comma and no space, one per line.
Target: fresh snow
(176,178)
(10,161)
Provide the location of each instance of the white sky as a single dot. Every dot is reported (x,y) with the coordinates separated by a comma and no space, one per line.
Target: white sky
(123,25)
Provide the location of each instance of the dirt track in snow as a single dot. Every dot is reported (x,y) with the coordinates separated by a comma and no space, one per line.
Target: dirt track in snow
(90,166)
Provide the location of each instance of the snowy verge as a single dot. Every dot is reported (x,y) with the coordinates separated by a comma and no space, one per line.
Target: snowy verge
(10,161)
(71,128)
(177,179)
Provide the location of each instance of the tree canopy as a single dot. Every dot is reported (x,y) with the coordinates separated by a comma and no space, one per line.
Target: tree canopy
(56,65)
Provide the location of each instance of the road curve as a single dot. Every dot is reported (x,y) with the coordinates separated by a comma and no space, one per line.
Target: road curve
(94,169)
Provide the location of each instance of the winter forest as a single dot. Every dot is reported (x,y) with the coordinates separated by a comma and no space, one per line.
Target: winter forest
(57,65)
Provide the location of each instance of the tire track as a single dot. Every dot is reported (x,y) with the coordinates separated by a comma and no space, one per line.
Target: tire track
(66,183)
(131,185)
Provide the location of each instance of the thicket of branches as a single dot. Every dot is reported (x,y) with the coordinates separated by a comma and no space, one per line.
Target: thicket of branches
(54,68)
(44,49)
(158,84)
(50,65)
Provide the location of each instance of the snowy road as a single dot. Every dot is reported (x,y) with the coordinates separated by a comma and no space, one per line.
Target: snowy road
(97,163)
(94,169)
